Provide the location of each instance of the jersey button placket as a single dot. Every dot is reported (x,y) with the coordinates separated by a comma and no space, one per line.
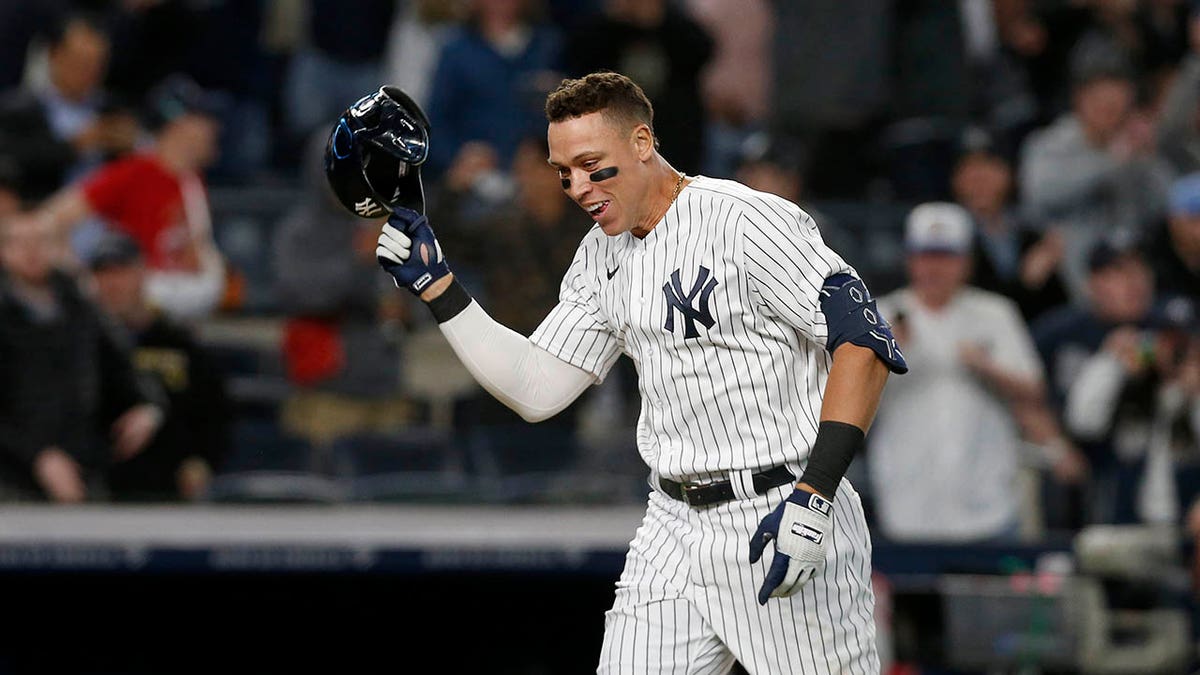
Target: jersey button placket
(635,286)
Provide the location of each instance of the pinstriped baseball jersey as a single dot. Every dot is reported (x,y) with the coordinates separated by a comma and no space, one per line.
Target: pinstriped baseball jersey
(718,308)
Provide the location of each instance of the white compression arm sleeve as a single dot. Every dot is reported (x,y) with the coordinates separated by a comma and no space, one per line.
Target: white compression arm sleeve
(521,375)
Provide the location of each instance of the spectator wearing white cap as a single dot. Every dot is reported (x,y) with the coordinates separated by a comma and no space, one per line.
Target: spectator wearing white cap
(974,368)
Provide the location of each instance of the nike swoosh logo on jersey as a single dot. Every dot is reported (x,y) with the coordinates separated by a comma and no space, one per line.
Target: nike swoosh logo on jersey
(613,272)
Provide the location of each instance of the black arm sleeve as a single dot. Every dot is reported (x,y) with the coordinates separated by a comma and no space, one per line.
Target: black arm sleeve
(837,444)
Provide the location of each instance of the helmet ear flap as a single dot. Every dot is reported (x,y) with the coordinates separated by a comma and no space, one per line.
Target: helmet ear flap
(374,154)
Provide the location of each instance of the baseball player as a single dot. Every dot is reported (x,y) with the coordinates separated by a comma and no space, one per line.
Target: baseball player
(761,359)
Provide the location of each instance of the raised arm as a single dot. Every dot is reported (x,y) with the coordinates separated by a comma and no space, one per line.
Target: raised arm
(529,380)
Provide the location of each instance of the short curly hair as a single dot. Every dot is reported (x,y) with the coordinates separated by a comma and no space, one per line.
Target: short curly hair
(613,93)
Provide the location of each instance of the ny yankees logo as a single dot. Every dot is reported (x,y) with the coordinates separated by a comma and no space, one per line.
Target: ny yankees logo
(367,208)
(676,300)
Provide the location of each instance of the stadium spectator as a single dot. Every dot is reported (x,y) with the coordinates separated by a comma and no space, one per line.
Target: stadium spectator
(415,42)
(70,401)
(1164,26)
(490,83)
(1148,37)
(529,243)
(1173,250)
(21,22)
(522,248)
(343,331)
(67,126)
(10,185)
(735,84)
(774,165)
(1120,292)
(972,362)
(338,63)
(829,97)
(1138,398)
(1179,121)
(663,49)
(475,185)
(227,57)
(152,40)
(1093,337)
(1094,170)
(1012,256)
(949,71)
(158,198)
(182,457)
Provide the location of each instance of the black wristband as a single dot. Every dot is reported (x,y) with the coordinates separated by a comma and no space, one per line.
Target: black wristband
(837,444)
(450,303)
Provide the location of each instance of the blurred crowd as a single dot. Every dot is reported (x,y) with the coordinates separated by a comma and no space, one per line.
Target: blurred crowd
(1046,154)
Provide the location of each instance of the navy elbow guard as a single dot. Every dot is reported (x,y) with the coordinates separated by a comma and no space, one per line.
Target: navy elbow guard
(852,316)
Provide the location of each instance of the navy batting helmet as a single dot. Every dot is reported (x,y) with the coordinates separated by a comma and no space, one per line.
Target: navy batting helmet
(375,152)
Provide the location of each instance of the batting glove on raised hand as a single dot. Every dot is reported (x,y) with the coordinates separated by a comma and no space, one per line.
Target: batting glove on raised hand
(800,527)
(405,233)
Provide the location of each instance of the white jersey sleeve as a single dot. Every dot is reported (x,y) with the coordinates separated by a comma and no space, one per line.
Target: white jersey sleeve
(787,262)
(576,330)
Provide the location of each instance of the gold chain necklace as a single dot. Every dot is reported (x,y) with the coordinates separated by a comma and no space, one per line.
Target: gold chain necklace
(674,195)
(678,187)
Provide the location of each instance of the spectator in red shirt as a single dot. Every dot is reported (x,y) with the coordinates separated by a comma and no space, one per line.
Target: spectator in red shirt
(158,198)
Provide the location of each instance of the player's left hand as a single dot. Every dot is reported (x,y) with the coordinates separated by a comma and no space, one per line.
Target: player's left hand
(800,527)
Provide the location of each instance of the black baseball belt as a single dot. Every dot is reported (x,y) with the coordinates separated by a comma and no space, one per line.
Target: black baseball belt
(705,494)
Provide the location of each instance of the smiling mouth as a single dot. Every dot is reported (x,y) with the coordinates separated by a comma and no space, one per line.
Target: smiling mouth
(598,209)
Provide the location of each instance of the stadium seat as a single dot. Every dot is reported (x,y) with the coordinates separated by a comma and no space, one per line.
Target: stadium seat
(267,465)
(416,464)
(433,376)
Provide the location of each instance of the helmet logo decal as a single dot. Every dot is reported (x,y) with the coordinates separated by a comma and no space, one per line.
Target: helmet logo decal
(367,208)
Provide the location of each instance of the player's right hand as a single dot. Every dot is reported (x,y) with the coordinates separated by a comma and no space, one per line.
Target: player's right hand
(410,252)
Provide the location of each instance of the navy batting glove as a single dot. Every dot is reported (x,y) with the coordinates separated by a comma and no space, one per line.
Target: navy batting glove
(409,252)
(800,527)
